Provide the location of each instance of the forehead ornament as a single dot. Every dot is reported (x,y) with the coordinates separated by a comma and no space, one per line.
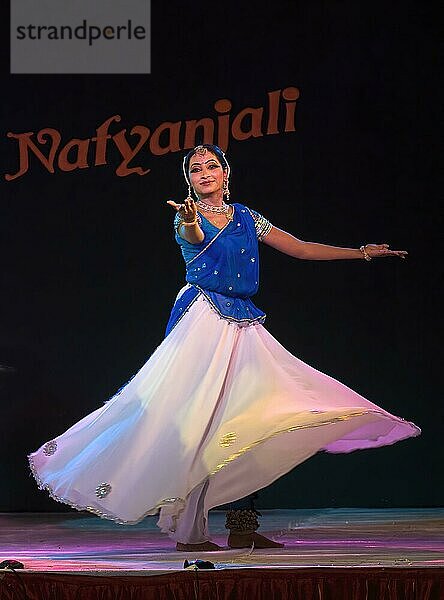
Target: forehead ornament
(201,150)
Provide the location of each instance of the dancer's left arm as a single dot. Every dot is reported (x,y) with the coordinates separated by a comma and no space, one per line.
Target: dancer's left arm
(289,244)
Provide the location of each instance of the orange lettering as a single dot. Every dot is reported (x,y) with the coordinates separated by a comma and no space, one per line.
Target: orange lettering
(101,140)
(273,112)
(255,115)
(25,144)
(222,106)
(129,153)
(290,93)
(174,139)
(190,132)
(82,155)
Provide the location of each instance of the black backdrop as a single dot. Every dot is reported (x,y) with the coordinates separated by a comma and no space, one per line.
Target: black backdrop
(90,267)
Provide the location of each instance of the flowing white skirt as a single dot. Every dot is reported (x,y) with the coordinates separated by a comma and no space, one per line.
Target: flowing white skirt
(215,403)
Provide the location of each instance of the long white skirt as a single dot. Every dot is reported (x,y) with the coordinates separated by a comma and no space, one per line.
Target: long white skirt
(216,404)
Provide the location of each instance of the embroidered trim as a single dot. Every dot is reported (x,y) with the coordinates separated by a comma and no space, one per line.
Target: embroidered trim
(227,461)
(50,448)
(96,511)
(228,439)
(259,319)
(103,489)
(202,293)
(338,419)
(262,225)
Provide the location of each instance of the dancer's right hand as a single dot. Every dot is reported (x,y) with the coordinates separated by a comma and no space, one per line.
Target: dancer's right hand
(187,210)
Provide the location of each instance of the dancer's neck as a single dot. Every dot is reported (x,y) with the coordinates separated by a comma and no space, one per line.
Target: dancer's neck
(213,199)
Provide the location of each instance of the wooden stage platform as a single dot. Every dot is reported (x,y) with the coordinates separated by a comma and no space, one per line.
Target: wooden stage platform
(329,554)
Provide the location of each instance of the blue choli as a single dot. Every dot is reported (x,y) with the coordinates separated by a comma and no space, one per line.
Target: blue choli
(224,268)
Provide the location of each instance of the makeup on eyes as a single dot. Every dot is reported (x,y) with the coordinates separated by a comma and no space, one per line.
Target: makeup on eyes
(211,160)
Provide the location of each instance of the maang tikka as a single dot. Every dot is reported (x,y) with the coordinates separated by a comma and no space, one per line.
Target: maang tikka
(201,150)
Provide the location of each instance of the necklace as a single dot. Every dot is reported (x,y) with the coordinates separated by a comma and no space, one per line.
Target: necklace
(224,209)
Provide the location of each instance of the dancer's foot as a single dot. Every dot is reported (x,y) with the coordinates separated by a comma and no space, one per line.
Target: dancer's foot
(202,547)
(246,540)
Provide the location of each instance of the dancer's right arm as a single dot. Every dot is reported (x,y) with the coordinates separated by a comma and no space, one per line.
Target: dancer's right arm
(189,228)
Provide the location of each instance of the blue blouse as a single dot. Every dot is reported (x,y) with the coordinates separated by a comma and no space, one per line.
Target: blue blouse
(224,267)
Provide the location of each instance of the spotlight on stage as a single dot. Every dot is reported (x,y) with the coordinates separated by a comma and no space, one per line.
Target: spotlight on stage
(194,565)
(11,564)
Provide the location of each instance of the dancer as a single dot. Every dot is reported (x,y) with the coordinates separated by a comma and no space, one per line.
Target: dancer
(220,409)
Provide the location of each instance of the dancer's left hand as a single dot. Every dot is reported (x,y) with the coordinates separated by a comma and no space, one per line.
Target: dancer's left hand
(381,250)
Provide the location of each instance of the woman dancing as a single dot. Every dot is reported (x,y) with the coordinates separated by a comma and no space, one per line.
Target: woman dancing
(220,409)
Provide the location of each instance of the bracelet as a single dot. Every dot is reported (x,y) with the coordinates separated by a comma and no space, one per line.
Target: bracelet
(364,252)
(186,223)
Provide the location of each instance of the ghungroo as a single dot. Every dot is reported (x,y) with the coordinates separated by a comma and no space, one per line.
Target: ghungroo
(242,521)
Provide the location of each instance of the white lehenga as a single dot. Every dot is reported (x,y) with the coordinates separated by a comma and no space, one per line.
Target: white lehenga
(217,407)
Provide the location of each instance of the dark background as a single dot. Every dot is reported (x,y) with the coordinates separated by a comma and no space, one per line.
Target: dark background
(90,268)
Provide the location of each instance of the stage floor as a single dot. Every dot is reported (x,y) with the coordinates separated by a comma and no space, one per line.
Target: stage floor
(348,537)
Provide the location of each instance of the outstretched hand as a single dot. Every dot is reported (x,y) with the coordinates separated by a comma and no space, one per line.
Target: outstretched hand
(381,250)
(187,210)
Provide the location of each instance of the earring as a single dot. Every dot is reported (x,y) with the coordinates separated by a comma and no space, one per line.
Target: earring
(225,189)
(189,192)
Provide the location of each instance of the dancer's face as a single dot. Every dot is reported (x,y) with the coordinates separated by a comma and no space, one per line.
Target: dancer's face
(206,174)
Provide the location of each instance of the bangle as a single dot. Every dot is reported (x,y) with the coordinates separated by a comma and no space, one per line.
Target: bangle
(186,223)
(364,253)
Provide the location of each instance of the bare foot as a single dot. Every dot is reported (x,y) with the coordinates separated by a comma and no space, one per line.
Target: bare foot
(203,547)
(239,540)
